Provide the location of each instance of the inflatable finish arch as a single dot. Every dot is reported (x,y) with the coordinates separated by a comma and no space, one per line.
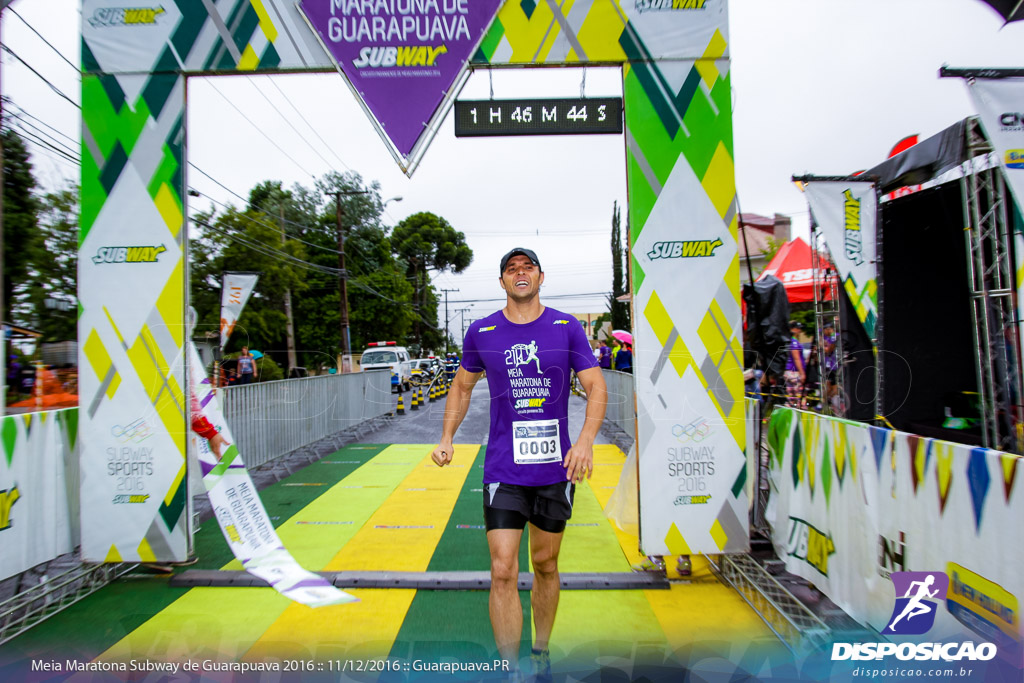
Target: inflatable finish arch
(133,245)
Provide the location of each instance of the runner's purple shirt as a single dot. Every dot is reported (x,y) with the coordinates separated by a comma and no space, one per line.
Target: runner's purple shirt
(528,379)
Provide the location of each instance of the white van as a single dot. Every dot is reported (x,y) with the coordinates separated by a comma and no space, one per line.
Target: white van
(387,354)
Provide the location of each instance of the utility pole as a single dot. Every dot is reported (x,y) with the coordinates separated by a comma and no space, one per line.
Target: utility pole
(345,357)
(462,320)
(446,318)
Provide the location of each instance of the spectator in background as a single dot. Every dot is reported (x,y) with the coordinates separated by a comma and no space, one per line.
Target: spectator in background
(604,355)
(795,374)
(624,359)
(829,362)
(246,367)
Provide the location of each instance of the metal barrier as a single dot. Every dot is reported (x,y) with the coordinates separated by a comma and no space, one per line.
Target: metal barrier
(621,410)
(272,419)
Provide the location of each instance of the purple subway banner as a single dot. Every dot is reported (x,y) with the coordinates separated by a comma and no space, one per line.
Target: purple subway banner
(401,56)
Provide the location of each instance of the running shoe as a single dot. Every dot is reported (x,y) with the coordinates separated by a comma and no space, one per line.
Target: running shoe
(541,660)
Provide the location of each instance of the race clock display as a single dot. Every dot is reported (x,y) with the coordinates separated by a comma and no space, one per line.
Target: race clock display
(579,116)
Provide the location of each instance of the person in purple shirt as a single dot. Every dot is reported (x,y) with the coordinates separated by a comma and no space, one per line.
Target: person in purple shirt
(796,373)
(531,465)
(604,357)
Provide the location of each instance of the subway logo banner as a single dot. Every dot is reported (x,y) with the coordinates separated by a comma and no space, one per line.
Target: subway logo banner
(682,215)
(847,213)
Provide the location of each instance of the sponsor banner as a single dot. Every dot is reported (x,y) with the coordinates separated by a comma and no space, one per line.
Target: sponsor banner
(689,385)
(235,292)
(1000,106)
(247,529)
(158,36)
(403,57)
(847,214)
(38,488)
(131,289)
(863,513)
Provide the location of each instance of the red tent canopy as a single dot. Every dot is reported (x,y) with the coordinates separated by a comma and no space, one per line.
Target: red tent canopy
(792,265)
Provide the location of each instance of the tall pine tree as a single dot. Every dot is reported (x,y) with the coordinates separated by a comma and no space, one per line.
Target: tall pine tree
(619,309)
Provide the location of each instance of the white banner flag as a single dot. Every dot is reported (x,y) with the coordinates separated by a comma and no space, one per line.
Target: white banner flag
(248,530)
(847,211)
(235,292)
(1000,105)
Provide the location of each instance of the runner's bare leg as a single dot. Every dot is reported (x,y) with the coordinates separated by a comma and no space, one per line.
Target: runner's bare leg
(505,607)
(544,547)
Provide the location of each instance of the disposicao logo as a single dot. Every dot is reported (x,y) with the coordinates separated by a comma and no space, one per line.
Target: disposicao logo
(128,254)
(1015,158)
(914,613)
(690,249)
(918,596)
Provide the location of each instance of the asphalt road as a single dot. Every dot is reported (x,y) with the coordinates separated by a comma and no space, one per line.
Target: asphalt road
(424,425)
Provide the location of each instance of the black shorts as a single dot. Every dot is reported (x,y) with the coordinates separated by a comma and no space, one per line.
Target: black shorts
(511,506)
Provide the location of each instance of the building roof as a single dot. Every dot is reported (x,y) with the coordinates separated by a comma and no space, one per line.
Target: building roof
(759,230)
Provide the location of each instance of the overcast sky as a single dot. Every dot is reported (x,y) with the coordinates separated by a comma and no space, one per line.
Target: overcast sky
(819,86)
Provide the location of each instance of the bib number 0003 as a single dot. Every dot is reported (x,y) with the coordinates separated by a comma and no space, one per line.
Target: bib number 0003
(536,442)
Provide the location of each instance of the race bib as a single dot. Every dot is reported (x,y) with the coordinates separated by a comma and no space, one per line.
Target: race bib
(535,442)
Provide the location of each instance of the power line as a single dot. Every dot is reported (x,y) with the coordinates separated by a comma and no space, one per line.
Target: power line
(285,119)
(38,131)
(39,75)
(260,130)
(267,251)
(59,53)
(267,225)
(33,137)
(329,148)
(21,110)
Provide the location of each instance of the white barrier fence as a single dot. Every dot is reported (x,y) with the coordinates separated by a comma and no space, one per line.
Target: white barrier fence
(621,410)
(271,419)
(851,504)
(39,488)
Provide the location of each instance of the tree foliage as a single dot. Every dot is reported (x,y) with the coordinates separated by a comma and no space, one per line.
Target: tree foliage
(427,242)
(21,209)
(49,304)
(619,309)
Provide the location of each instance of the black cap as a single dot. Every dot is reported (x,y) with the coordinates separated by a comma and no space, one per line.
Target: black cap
(528,253)
(797,325)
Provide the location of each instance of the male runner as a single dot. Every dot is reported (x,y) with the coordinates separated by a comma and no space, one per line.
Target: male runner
(531,465)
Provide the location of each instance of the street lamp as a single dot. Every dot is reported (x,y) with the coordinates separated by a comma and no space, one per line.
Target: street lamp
(388,201)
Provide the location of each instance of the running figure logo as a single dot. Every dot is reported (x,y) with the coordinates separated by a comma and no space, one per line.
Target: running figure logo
(917,595)
(521,354)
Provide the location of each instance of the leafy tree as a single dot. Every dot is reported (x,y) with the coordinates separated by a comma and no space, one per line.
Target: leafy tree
(428,242)
(247,241)
(51,299)
(21,229)
(619,309)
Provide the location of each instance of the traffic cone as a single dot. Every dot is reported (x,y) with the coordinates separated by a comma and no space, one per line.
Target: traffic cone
(433,393)
(401,405)
(413,403)
(422,400)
